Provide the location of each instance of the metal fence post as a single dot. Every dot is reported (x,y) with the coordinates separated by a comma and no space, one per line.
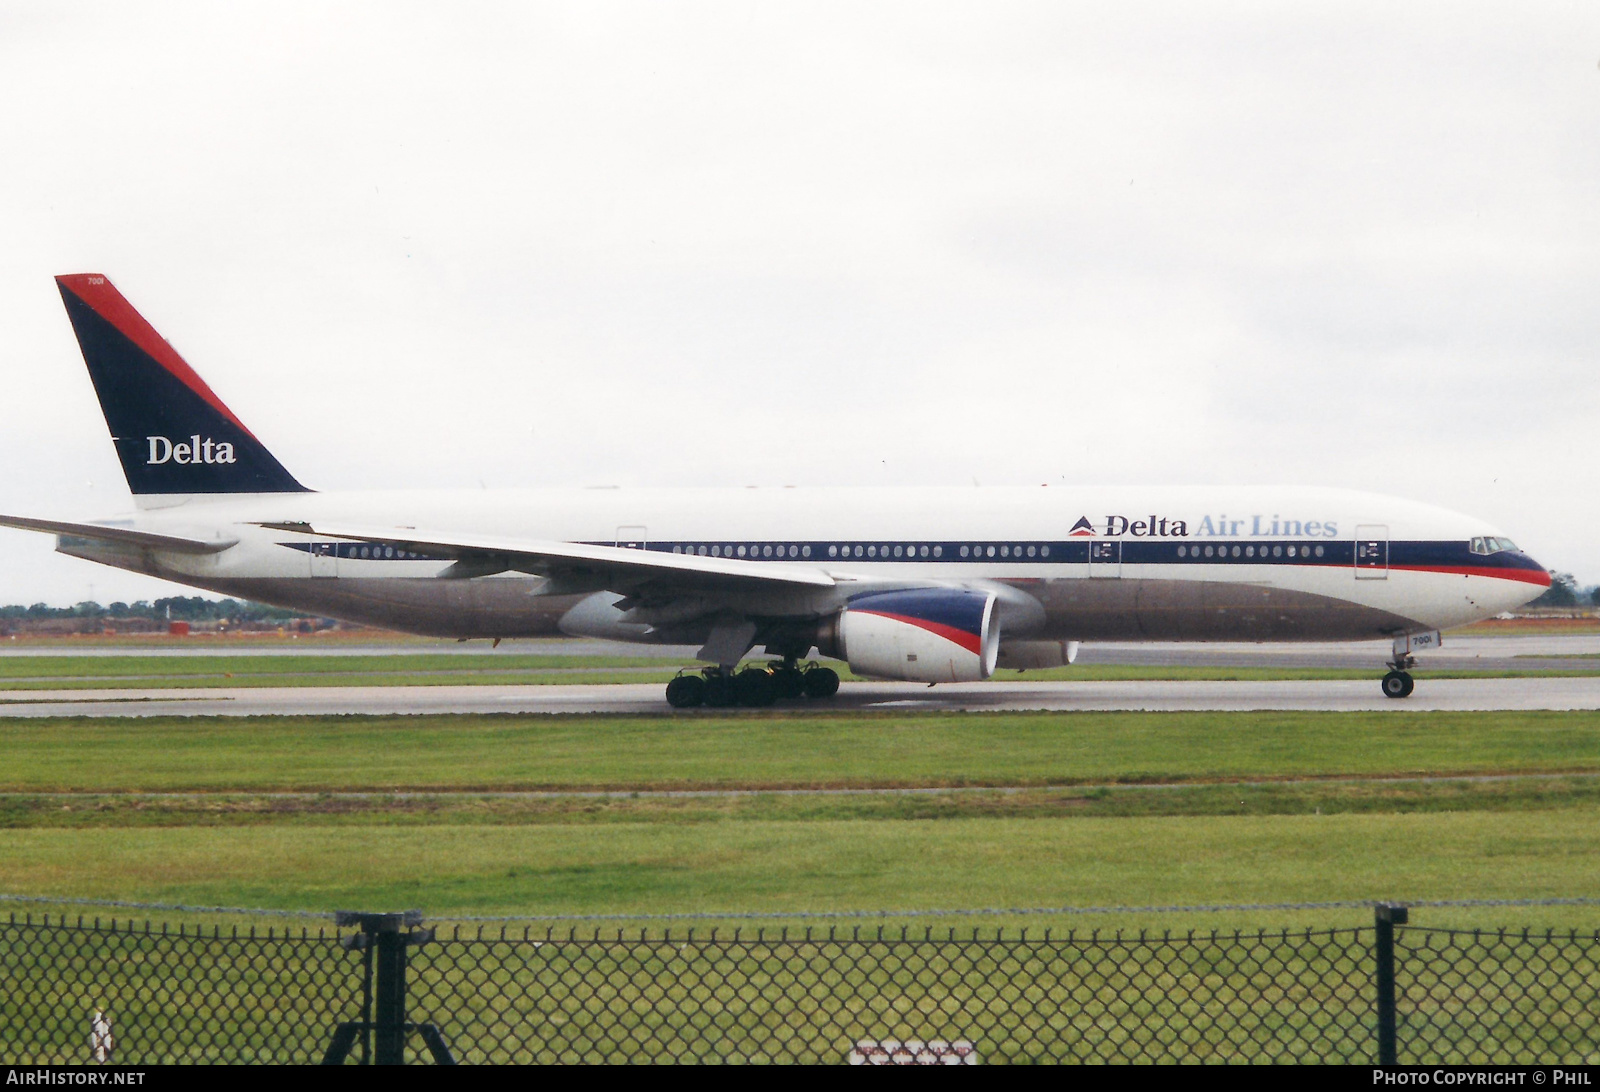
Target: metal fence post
(383,943)
(389,1001)
(1385,917)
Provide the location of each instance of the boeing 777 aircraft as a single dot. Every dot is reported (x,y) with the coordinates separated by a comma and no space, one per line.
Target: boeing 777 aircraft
(932,585)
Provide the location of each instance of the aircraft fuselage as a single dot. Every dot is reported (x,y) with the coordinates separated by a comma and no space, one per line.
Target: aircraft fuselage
(1176,564)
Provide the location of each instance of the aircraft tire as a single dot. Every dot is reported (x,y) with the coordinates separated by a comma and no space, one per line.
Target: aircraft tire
(821,682)
(686,692)
(789,682)
(1398,684)
(720,692)
(755,688)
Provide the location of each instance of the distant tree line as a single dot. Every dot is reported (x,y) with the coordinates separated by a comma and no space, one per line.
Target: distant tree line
(179,608)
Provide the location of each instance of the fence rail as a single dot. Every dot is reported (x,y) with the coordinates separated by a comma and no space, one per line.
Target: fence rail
(382,988)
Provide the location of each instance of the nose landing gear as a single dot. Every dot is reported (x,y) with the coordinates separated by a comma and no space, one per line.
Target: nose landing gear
(754,687)
(1398,684)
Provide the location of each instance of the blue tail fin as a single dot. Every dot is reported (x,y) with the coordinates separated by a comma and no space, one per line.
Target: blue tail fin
(173,435)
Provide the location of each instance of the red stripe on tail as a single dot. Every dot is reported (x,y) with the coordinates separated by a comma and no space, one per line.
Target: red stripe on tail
(100,296)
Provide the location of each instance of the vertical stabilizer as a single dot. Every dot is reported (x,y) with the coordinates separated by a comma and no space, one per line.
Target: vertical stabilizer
(172,433)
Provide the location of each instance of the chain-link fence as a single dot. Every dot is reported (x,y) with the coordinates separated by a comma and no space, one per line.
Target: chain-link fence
(382,988)
(1492,996)
(169,995)
(759,997)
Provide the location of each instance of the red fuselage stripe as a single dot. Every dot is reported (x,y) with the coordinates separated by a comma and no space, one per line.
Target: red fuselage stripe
(1526,576)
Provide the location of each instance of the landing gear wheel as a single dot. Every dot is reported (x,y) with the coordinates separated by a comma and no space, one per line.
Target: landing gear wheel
(1398,684)
(719,691)
(686,692)
(788,681)
(821,682)
(754,687)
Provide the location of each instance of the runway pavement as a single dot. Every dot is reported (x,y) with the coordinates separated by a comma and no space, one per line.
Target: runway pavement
(1458,654)
(1550,653)
(635,698)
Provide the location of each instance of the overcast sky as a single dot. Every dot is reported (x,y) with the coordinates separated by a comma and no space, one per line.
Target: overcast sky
(528,244)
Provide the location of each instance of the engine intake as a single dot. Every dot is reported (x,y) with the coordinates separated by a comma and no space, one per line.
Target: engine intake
(921,635)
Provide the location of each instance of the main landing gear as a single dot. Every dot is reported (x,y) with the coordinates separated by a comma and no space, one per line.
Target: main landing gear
(755,687)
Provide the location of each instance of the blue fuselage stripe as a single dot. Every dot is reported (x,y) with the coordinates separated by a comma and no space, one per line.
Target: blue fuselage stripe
(1400,554)
(1422,554)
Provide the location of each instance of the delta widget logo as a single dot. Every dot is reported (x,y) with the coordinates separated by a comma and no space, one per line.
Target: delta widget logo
(1118,526)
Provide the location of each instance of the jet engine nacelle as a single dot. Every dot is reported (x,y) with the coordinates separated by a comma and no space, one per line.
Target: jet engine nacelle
(921,635)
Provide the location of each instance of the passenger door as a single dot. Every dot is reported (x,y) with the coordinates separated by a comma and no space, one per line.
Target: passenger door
(1105,558)
(1372,551)
(324,558)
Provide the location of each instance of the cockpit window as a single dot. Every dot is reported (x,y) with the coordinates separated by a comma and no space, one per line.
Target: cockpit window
(1488,544)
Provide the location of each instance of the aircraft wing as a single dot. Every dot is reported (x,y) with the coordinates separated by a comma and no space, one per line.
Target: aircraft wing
(125,536)
(615,566)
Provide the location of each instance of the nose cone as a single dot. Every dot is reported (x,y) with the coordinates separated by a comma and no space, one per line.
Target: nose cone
(1522,580)
(1537,575)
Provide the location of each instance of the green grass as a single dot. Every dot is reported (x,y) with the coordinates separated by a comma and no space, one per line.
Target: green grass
(1323,819)
(793,750)
(121,810)
(1225,673)
(586,677)
(401,669)
(1146,810)
(840,865)
(17,667)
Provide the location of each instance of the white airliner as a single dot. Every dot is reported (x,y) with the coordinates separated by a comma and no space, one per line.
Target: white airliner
(932,585)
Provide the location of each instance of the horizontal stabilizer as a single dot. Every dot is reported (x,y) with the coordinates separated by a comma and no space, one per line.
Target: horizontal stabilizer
(551,558)
(125,536)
